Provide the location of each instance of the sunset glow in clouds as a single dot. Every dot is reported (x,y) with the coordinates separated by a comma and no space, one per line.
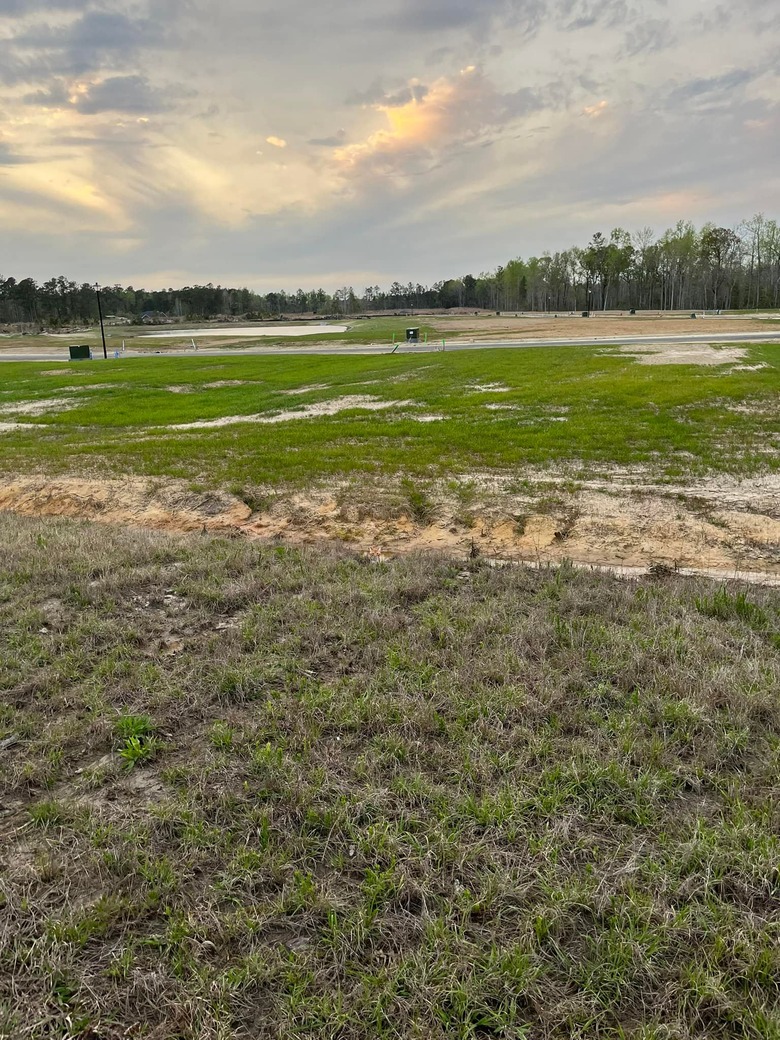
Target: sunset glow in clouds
(154,142)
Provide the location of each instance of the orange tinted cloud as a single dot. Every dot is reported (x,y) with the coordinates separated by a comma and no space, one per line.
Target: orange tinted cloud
(595,111)
(452,109)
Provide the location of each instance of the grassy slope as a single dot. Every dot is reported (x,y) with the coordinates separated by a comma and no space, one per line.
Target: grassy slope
(258,792)
(679,420)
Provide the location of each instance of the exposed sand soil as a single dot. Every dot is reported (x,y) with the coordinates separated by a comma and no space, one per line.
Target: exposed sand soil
(42,407)
(728,528)
(142,503)
(309,411)
(687,354)
(193,388)
(567,326)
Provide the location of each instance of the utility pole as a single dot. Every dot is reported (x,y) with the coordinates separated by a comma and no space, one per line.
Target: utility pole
(100,314)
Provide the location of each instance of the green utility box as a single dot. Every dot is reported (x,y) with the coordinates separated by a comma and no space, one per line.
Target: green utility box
(412,335)
(586,314)
(82,352)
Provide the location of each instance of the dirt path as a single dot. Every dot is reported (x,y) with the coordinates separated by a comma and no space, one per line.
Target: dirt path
(726,528)
(552,326)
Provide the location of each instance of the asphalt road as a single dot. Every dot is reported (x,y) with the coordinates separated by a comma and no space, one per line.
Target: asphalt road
(422,348)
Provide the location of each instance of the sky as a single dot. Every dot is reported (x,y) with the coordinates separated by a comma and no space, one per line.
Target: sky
(328,143)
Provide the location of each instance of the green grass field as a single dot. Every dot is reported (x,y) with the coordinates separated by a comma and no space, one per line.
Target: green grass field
(261,792)
(577,409)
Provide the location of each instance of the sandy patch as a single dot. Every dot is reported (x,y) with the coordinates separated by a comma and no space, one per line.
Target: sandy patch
(11,427)
(762,408)
(502,407)
(311,411)
(429,418)
(721,527)
(622,531)
(139,502)
(571,325)
(684,354)
(193,388)
(32,408)
(762,530)
(489,388)
(313,388)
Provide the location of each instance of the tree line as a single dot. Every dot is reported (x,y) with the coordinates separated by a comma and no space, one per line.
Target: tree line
(705,268)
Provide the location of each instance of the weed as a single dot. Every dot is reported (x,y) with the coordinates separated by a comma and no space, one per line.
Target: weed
(135,750)
(128,726)
(420,504)
(47,814)
(222,736)
(137,742)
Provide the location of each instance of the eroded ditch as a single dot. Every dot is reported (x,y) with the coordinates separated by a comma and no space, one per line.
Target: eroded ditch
(731,529)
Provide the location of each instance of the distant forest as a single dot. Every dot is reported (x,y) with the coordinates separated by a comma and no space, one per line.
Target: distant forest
(685,268)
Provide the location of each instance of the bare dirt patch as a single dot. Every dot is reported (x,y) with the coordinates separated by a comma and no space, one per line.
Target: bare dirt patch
(571,325)
(193,388)
(684,354)
(33,408)
(317,386)
(309,411)
(141,503)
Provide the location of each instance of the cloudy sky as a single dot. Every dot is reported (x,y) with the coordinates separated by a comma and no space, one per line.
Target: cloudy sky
(306,143)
